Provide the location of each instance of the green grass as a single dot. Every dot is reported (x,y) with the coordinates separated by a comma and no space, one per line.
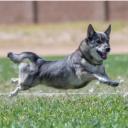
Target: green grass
(64,112)
(87,111)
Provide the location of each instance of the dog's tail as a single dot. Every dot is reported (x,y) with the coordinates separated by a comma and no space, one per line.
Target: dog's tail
(19,58)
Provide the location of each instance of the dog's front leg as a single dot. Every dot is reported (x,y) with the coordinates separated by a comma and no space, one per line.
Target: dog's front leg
(105,79)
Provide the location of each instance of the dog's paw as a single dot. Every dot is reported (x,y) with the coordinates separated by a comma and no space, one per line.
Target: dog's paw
(121,81)
(12,94)
(115,83)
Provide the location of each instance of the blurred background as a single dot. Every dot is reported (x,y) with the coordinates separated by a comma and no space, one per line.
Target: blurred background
(57,27)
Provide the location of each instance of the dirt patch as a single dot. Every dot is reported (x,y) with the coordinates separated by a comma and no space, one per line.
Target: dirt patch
(54,42)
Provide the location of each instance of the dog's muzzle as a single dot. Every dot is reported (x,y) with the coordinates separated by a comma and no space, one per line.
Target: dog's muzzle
(103,54)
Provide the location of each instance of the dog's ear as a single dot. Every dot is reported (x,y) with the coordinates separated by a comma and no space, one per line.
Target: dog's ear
(90,31)
(108,31)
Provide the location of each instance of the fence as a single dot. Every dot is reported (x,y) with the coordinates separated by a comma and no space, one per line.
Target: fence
(61,11)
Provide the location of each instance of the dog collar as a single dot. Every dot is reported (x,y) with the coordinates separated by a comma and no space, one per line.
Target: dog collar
(89,58)
(92,61)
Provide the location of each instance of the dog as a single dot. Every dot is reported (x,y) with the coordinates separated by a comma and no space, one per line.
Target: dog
(73,72)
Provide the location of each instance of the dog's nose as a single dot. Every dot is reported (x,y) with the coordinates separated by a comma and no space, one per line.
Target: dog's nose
(9,54)
(108,49)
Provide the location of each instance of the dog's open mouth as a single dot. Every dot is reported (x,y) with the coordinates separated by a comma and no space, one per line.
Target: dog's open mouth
(103,55)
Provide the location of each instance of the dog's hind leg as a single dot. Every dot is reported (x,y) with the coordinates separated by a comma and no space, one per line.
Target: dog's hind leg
(25,80)
(14,80)
(23,69)
(15,92)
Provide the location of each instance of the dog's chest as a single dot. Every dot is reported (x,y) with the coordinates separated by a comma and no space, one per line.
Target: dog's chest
(85,71)
(90,68)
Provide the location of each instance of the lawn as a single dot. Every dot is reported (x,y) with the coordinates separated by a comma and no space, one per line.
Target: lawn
(93,110)
(64,112)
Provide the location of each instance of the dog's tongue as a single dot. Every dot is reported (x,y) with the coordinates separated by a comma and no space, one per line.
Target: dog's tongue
(104,55)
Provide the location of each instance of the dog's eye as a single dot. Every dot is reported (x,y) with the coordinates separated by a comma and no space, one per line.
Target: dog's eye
(99,42)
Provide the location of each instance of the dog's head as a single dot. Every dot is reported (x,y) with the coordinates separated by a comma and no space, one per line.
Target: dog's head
(98,43)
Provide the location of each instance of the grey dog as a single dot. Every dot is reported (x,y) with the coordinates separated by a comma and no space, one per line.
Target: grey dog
(73,72)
